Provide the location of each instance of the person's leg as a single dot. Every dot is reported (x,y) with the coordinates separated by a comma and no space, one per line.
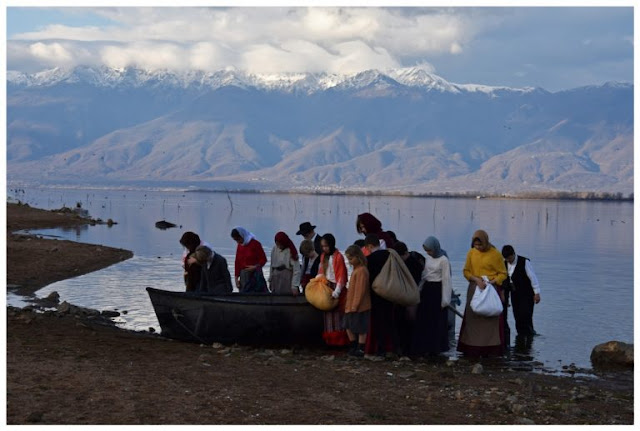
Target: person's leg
(358,350)
(523,313)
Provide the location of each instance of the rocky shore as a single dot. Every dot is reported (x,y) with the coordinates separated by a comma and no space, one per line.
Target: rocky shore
(68,365)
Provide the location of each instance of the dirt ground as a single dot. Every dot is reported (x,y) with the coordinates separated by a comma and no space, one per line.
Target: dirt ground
(73,368)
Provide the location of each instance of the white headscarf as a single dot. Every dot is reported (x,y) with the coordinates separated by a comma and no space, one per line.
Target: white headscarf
(245,234)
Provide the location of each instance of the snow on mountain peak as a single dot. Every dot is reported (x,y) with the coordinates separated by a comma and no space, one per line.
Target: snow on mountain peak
(103,76)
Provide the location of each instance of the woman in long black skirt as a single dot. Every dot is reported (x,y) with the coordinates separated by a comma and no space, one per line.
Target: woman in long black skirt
(430,336)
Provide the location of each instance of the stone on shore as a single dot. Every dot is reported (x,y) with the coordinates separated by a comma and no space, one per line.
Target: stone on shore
(477,369)
(613,354)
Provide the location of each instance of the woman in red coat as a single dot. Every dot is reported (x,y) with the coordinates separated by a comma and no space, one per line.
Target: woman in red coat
(335,270)
(250,258)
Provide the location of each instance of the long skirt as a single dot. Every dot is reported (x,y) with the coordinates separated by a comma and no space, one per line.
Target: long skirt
(480,335)
(383,329)
(431,331)
(334,333)
(252,281)
(281,282)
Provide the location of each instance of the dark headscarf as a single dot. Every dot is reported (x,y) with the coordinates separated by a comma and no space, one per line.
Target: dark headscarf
(373,225)
(284,239)
(190,241)
(483,237)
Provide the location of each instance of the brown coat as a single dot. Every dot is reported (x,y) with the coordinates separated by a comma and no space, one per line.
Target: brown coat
(358,294)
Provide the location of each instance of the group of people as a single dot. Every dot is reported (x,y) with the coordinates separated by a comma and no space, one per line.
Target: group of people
(363,320)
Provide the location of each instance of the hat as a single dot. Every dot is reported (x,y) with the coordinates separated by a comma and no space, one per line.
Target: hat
(305,228)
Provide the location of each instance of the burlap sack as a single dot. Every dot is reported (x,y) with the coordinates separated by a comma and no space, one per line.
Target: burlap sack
(395,283)
(318,293)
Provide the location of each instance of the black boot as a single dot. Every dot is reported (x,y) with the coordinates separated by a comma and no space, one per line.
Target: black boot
(353,347)
(358,351)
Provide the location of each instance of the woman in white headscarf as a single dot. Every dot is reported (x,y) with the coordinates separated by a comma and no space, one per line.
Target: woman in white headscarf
(431,335)
(250,258)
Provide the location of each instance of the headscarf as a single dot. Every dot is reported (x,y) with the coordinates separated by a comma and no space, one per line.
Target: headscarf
(483,237)
(432,243)
(245,234)
(371,224)
(190,241)
(284,239)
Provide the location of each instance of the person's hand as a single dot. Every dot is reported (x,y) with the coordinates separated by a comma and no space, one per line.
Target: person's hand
(481,283)
(536,298)
(335,294)
(295,291)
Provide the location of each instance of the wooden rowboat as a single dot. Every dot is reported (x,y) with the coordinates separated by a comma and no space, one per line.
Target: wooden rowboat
(256,318)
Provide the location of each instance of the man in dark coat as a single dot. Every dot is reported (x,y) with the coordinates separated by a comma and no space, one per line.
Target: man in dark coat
(407,315)
(307,230)
(383,331)
(215,277)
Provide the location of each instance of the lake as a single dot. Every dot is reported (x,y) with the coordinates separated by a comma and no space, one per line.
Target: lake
(582,251)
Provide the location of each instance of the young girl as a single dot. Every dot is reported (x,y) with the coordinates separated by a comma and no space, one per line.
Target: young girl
(356,318)
(332,266)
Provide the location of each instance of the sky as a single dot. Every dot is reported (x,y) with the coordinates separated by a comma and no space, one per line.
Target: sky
(554,48)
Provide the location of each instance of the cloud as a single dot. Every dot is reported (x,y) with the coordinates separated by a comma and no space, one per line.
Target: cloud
(489,45)
(51,52)
(262,40)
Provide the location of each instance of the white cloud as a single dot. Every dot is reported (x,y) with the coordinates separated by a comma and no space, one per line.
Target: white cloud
(145,55)
(353,55)
(51,53)
(463,44)
(263,40)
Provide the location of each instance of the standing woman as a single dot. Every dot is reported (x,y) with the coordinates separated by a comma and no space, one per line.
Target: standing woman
(250,259)
(333,267)
(284,276)
(366,224)
(481,335)
(431,332)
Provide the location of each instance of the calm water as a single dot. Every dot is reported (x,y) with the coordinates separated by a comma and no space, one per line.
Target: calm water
(582,252)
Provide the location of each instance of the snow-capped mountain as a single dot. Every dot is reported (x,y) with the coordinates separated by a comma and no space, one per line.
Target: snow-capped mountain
(306,82)
(400,130)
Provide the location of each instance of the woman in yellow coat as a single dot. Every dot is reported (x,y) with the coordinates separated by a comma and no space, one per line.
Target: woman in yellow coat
(481,335)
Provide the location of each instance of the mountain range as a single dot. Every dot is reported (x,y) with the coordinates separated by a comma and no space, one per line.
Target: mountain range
(396,131)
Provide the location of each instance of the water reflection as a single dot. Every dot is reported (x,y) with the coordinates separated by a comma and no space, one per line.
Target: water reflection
(553,234)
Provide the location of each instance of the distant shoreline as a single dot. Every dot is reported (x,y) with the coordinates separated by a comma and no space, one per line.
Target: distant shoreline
(590,196)
(531,195)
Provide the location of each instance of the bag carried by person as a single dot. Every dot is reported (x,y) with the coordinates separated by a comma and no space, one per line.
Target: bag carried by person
(395,283)
(318,293)
(486,302)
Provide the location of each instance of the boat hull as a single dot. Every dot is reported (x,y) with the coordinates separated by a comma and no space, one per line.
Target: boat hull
(237,318)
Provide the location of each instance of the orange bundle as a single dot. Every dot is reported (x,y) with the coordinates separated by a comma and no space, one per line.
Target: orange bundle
(318,293)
